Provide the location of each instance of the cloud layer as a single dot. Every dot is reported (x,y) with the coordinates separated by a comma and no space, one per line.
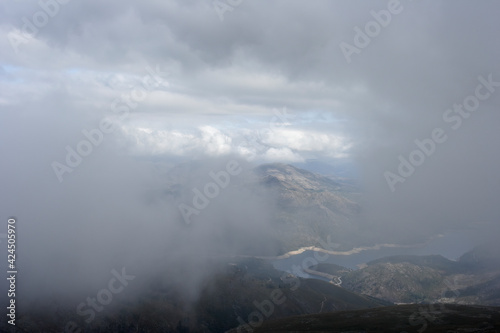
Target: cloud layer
(270,82)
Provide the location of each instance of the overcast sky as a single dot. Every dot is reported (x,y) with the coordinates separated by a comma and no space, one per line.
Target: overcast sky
(273,80)
(225,79)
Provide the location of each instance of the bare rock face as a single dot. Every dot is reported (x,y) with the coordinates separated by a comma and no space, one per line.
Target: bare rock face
(429,279)
(309,207)
(303,189)
(303,208)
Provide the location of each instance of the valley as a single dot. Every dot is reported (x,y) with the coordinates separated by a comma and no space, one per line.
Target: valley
(313,272)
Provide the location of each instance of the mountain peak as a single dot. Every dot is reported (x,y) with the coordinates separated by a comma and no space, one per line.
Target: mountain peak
(293,178)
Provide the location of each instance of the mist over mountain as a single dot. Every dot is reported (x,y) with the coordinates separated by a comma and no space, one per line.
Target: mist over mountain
(177,277)
(202,166)
(303,208)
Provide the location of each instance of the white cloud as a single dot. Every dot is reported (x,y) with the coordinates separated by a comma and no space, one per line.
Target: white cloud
(283,154)
(308,141)
(214,141)
(285,145)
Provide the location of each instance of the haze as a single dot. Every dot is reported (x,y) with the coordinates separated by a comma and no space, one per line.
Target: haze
(264,82)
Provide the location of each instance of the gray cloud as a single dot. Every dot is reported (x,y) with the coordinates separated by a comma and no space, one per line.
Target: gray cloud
(224,81)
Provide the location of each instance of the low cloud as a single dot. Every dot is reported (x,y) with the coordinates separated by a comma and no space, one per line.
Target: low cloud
(223,83)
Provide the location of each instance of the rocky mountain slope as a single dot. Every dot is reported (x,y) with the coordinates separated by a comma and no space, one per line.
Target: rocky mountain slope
(310,207)
(304,208)
(473,279)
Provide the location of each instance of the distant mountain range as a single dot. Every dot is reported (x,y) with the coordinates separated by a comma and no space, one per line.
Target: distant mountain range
(473,279)
(247,294)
